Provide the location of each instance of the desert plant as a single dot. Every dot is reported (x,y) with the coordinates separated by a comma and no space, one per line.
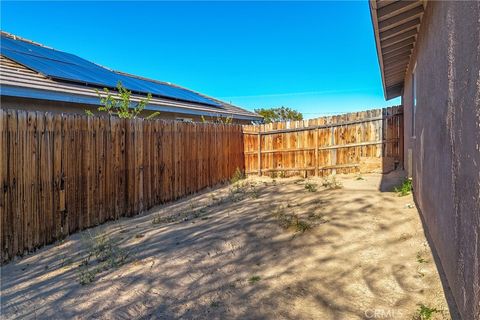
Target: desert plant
(160,219)
(120,105)
(332,183)
(302,226)
(86,276)
(236,193)
(285,220)
(291,221)
(254,279)
(237,175)
(310,187)
(420,259)
(404,189)
(254,194)
(425,313)
(102,254)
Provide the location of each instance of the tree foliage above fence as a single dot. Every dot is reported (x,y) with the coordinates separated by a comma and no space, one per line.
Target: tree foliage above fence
(279,114)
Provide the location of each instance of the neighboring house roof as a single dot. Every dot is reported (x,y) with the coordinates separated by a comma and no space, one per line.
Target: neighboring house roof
(19,79)
(396,25)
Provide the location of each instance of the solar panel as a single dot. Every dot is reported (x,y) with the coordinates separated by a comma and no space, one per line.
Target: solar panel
(64,66)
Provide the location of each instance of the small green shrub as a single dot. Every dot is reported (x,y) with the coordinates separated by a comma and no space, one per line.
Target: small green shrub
(332,183)
(86,276)
(237,176)
(291,221)
(285,220)
(420,259)
(160,219)
(254,193)
(404,189)
(302,226)
(425,313)
(254,279)
(310,187)
(236,193)
(102,254)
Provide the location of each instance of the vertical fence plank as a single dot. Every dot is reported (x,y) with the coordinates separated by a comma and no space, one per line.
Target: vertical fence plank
(63,173)
(3,182)
(344,144)
(259,154)
(12,180)
(20,217)
(316,152)
(33,181)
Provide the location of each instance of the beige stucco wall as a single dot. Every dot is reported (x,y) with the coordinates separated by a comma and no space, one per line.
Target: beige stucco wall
(67,107)
(446,150)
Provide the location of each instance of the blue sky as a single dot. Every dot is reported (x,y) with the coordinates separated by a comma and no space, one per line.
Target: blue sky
(316,57)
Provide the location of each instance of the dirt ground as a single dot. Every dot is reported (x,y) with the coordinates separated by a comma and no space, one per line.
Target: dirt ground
(260,249)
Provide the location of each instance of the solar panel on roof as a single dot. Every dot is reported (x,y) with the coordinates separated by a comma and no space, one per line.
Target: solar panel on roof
(64,66)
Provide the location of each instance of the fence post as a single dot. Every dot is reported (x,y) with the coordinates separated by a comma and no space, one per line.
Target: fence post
(259,154)
(334,151)
(316,152)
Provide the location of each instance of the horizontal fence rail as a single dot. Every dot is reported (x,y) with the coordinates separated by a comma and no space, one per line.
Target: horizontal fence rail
(62,173)
(355,142)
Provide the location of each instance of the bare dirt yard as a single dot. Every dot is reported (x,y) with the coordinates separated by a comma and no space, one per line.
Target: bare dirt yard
(261,248)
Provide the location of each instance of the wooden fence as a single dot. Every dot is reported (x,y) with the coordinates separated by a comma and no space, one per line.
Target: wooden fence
(63,173)
(355,142)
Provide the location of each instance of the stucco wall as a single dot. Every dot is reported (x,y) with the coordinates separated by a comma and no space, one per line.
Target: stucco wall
(446,150)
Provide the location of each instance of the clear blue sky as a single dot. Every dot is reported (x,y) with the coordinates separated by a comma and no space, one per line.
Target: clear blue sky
(316,57)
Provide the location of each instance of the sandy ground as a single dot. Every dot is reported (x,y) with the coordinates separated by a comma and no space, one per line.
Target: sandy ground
(263,249)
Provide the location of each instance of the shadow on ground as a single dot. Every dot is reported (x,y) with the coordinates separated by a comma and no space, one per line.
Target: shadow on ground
(262,249)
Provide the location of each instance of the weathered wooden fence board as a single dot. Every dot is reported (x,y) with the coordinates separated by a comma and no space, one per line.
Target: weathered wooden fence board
(64,173)
(355,142)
